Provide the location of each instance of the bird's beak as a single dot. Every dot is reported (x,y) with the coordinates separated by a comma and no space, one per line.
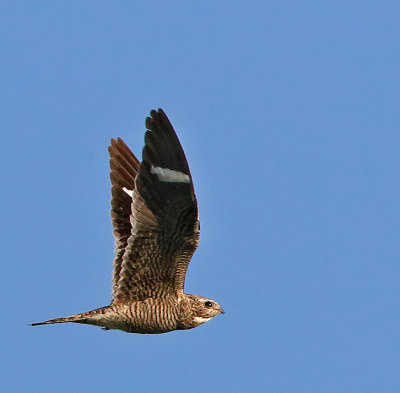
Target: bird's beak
(222,311)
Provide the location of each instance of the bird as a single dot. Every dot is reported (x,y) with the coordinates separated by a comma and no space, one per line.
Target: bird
(156,228)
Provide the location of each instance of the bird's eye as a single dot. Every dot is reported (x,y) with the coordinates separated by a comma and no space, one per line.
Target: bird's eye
(208,304)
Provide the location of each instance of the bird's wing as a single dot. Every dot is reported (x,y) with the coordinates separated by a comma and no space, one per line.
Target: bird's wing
(163,229)
(124,167)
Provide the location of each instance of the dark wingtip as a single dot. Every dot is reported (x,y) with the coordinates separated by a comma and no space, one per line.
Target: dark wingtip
(154,114)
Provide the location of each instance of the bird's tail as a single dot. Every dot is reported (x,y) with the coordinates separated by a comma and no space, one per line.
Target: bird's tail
(77,318)
(73,318)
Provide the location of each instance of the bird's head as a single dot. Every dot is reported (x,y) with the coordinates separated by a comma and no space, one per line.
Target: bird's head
(204,309)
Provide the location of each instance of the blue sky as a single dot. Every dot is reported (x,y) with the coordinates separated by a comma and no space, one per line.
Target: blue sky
(289,115)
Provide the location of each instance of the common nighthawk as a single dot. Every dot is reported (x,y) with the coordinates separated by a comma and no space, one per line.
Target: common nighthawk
(156,229)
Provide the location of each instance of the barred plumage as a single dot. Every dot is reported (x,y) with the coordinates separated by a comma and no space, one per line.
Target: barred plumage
(156,229)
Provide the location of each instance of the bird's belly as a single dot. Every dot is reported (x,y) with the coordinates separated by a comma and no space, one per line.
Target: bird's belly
(139,317)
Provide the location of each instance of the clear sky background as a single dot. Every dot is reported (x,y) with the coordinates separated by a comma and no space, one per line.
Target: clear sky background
(289,115)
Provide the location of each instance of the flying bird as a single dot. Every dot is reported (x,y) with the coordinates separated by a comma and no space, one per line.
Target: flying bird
(156,229)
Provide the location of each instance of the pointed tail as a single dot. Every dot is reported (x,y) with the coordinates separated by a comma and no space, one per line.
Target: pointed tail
(85,317)
(74,318)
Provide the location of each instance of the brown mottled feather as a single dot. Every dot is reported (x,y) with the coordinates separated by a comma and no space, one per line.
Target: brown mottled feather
(156,230)
(154,244)
(124,168)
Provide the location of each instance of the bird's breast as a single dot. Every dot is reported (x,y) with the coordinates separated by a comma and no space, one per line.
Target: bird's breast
(148,316)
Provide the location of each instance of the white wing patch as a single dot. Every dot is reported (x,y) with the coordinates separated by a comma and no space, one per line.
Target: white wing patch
(169,175)
(129,192)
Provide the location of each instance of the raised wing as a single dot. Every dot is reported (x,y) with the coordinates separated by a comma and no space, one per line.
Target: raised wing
(151,261)
(124,167)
